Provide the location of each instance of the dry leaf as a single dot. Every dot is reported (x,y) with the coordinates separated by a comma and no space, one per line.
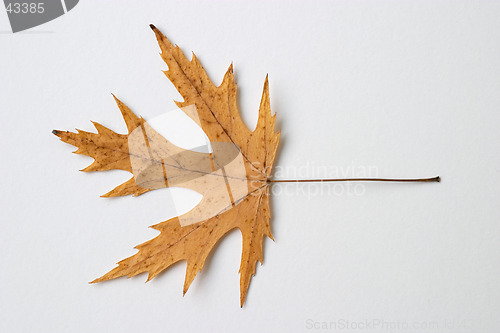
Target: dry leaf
(233,179)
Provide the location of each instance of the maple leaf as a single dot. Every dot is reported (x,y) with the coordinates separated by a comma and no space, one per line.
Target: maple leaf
(234,178)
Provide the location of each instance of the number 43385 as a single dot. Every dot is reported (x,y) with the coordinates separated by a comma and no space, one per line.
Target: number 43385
(25,7)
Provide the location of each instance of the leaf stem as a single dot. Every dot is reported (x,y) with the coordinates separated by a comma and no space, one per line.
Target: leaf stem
(414,180)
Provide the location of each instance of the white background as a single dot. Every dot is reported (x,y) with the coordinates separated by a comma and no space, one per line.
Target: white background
(411,88)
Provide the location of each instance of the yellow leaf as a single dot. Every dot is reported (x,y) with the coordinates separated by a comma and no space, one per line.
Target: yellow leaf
(233,178)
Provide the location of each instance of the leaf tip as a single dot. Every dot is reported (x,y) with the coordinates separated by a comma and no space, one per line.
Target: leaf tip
(157,32)
(243,297)
(266,83)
